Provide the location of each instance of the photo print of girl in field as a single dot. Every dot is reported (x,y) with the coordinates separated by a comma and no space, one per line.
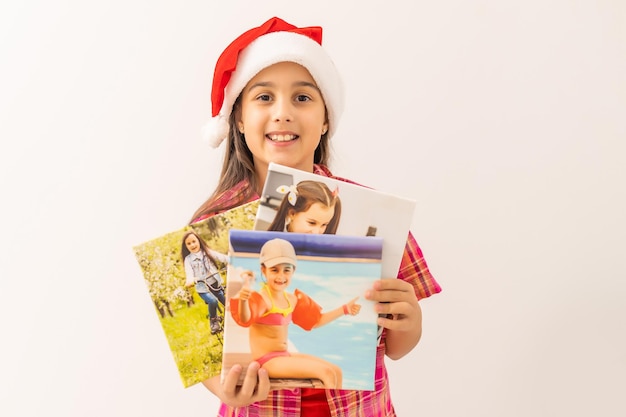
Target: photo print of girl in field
(203,272)
(180,277)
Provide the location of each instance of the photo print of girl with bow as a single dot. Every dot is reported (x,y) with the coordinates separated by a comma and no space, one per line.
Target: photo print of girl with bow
(308,207)
(296,201)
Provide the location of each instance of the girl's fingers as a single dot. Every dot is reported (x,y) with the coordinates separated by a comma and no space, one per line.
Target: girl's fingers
(263,387)
(390,296)
(391,291)
(394,308)
(248,278)
(250,381)
(392,284)
(229,386)
(391,324)
(255,387)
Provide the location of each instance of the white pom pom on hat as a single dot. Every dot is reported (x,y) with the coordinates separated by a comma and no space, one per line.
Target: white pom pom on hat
(258,48)
(215,130)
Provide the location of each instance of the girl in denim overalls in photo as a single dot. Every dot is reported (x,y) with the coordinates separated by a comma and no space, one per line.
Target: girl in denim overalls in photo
(201,270)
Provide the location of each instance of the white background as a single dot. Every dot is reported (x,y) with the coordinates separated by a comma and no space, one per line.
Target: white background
(505,120)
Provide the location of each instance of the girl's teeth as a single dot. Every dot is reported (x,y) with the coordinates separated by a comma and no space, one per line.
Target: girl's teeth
(282,138)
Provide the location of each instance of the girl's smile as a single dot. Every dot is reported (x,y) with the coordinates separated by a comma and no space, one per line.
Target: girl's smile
(278,276)
(275,137)
(192,244)
(280,282)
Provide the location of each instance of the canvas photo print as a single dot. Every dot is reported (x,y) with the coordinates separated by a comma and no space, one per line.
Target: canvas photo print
(185,272)
(295,303)
(297,201)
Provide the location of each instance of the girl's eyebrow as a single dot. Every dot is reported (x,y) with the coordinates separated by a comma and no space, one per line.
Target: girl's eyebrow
(296,84)
(306,84)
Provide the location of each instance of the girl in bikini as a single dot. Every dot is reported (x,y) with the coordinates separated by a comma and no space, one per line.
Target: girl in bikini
(268,313)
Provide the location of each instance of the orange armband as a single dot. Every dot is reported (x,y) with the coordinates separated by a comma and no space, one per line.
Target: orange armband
(307,312)
(256,305)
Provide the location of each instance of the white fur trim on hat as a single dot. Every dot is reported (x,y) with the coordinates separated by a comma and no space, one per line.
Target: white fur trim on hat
(270,49)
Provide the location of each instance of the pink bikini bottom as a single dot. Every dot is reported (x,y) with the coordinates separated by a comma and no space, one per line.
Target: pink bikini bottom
(271,355)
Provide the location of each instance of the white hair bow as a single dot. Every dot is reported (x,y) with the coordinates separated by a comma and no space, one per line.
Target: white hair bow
(291,191)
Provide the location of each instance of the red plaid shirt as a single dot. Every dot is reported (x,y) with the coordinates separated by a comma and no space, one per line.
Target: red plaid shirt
(342,403)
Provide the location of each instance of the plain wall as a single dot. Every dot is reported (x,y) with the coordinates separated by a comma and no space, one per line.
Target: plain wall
(506,121)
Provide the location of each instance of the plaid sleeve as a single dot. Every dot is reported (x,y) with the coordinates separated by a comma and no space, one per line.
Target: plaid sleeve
(414,270)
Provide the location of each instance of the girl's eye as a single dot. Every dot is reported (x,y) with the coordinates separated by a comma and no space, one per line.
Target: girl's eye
(263,97)
(302,98)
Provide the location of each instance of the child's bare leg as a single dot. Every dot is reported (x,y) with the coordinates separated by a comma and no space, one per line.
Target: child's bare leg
(339,375)
(305,366)
(324,363)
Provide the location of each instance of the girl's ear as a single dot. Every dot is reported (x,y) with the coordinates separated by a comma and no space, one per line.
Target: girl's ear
(238,122)
(290,213)
(324,128)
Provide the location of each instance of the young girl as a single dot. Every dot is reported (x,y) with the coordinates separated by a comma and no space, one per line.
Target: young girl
(277,97)
(309,207)
(269,312)
(201,270)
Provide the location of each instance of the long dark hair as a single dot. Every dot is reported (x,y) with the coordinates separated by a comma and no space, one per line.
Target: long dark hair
(239,165)
(204,248)
(309,192)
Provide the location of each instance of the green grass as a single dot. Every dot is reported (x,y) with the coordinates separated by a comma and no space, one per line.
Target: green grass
(198,353)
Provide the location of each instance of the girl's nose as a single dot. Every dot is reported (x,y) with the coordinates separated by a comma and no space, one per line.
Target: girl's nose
(282,110)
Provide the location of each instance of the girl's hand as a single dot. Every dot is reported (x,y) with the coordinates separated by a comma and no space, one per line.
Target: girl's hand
(256,386)
(245,291)
(396,298)
(352,307)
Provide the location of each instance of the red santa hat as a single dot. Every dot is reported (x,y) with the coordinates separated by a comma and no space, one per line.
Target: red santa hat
(258,48)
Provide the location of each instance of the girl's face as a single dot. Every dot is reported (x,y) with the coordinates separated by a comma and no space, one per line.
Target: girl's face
(192,243)
(314,220)
(283,117)
(278,276)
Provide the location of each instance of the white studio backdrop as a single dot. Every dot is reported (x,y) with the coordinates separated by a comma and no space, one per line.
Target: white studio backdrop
(505,121)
